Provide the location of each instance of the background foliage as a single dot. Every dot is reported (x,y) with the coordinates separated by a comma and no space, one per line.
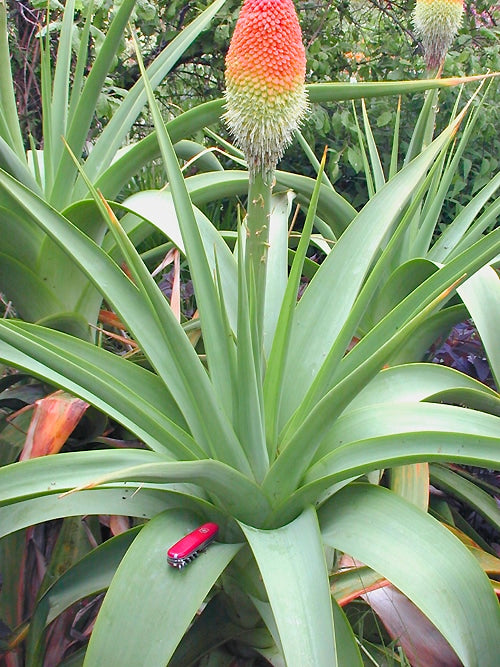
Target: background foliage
(366,39)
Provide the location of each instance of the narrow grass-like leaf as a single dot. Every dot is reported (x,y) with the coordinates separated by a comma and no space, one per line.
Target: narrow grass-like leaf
(249,402)
(81,64)
(8,105)
(299,442)
(60,91)
(115,132)
(485,222)
(467,263)
(423,560)
(116,175)
(217,345)
(366,167)
(273,382)
(455,231)
(293,568)
(83,113)
(91,574)
(145,579)
(312,158)
(309,347)
(466,491)
(393,168)
(481,295)
(46,96)
(431,215)
(376,165)
(168,348)
(424,128)
(130,394)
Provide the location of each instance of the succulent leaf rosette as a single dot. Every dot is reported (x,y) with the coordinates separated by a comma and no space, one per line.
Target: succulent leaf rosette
(265,81)
(436,23)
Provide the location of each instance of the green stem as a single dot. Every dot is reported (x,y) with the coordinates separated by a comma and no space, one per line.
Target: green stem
(257,242)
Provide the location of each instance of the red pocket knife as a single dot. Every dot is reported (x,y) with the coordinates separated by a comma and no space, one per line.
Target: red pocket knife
(190,546)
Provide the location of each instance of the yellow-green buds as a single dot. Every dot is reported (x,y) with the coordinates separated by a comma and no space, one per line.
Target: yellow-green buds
(436,23)
(265,73)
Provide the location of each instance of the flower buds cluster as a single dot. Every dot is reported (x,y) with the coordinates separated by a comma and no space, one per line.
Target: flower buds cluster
(436,23)
(265,81)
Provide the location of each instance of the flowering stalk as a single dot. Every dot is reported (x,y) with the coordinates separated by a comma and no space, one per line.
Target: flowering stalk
(265,102)
(436,23)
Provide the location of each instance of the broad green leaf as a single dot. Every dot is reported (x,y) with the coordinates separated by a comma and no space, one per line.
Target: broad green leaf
(165,598)
(402,281)
(295,457)
(361,457)
(213,627)
(61,472)
(355,457)
(423,560)
(112,179)
(386,419)
(292,564)
(12,163)
(156,206)
(233,492)
(348,584)
(129,500)
(437,327)
(414,382)
(411,483)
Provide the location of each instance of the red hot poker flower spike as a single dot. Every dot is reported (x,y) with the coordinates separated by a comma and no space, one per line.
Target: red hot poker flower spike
(265,81)
(436,23)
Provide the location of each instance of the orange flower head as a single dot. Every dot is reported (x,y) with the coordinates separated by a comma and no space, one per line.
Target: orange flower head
(265,81)
(436,23)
